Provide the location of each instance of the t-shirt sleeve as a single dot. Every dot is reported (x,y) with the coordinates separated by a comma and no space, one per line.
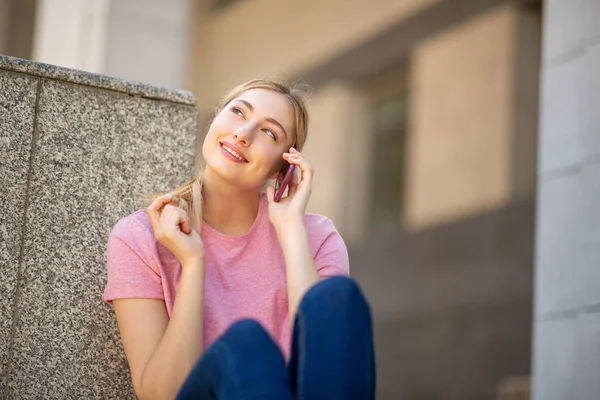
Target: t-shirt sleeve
(131,266)
(332,256)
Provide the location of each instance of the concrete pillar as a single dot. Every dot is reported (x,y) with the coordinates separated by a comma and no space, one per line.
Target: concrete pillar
(71,33)
(77,151)
(148,41)
(140,40)
(566,335)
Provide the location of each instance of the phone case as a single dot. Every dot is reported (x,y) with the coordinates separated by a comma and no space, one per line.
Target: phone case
(284,184)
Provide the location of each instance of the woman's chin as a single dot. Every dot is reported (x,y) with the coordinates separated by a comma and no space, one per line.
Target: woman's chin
(227,175)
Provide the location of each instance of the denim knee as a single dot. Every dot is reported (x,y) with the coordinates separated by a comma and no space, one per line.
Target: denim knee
(337,292)
(248,337)
(247,330)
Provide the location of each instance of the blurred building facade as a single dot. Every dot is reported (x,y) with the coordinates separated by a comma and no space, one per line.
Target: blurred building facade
(423,137)
(421,79)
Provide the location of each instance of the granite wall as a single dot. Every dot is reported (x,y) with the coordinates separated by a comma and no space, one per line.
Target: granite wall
(77,151)
(566,357)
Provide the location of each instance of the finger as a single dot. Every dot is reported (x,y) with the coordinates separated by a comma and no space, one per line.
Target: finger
(293,185)
(184,222)
(162,225)
(169,222)
(270,193)
(177,218)
(305,167)
(154,210)
(304,184)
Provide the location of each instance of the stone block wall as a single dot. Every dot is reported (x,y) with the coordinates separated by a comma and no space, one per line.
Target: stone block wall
(77,152)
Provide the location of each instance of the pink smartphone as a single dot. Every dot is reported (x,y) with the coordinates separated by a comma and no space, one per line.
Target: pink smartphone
(284,183)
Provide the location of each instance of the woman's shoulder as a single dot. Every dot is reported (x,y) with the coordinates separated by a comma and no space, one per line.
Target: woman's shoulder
(134,226)
(318,224)
(317,219)
(329,248)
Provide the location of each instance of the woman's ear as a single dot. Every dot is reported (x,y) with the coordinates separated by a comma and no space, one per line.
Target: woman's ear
(280,172)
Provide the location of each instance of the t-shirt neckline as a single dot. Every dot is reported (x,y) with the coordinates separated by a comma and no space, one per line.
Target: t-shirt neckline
(221,236)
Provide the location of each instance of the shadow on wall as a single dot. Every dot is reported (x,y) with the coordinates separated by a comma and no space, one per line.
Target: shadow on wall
(452,305)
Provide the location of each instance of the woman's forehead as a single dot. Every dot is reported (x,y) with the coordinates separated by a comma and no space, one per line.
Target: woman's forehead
(270,104)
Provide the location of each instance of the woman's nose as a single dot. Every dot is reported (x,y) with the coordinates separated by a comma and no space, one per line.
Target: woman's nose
(243,134)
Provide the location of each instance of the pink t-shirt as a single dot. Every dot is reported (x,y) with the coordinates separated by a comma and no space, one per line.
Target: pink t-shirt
(245,275)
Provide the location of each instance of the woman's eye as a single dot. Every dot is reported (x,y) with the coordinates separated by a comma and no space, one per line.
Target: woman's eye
(237,111)
(271,133)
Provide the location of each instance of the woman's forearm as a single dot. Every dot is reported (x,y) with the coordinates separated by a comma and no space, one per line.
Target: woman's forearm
(181,344)
(299,263)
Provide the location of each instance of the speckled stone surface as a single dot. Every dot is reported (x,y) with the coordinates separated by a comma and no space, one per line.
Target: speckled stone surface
(95,80)
(97,151)
(17,107)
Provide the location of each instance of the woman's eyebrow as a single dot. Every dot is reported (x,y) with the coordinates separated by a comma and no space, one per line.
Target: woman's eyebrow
(247,103)
(272,120)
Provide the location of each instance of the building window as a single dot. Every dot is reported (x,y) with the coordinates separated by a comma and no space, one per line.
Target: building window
(389,101)
(389,147)
(222,4)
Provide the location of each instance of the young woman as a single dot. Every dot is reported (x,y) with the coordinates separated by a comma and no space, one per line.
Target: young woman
(209,282)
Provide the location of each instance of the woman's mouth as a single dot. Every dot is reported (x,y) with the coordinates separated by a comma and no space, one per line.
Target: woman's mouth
(233,152)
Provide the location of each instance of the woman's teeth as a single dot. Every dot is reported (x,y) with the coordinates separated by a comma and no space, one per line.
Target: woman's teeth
(233,153)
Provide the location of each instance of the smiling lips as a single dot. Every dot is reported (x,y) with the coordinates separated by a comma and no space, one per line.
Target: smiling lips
(233,151)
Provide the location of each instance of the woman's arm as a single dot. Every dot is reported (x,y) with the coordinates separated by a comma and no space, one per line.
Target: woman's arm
(300,266)
(161,353)
(287,216)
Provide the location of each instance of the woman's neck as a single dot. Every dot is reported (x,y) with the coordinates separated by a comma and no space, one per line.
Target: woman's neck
(228,209)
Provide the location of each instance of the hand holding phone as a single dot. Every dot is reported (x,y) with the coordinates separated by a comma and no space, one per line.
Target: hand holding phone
(284,183)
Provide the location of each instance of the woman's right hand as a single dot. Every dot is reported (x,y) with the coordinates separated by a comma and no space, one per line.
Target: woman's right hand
(173,229)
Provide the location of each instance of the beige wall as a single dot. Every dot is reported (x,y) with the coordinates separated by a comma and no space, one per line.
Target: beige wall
(237,43)
(464,83)
(339,149)
(525,104)
(325,148)
(472,124)
(257,37)
(460,145)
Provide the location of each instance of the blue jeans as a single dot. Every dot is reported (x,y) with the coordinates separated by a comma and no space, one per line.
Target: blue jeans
(332,354)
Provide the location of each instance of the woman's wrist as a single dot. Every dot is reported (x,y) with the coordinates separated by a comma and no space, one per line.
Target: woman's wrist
(195,264)
(290,230)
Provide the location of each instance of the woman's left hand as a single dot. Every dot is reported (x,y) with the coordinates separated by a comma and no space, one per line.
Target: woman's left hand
(291,209)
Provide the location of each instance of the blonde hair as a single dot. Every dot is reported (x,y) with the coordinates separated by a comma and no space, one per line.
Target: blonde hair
(189,195)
